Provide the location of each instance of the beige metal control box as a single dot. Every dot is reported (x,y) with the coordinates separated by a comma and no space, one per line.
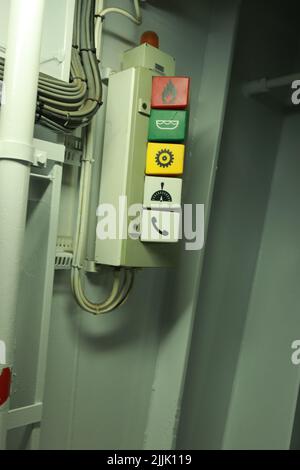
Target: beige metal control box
(123,173)
(150,58)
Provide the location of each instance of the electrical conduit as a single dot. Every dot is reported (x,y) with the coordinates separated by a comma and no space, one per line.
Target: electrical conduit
(17,118)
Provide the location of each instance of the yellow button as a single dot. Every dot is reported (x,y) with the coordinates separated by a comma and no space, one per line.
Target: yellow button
(165,159)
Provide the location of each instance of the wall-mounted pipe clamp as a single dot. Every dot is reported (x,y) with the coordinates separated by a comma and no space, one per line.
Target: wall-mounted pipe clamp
(17,151)
(21,152)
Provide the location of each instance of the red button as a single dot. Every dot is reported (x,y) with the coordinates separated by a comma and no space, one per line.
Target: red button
(5,381)
(170,92)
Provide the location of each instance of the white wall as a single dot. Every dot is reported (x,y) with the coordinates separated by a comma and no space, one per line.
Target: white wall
(266,387)
(248,152)
(241,389)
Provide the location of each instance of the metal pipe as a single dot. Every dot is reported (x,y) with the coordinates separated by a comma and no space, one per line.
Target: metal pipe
(17,118)
(264,85)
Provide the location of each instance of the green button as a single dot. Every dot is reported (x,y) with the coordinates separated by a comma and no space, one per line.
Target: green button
(168,126)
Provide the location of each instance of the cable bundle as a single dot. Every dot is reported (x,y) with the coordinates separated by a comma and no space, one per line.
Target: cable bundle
(64,107)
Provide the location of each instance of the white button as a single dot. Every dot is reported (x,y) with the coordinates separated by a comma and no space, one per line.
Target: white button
(162,192)
(160,226)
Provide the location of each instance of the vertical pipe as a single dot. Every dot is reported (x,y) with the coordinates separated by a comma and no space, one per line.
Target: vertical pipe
(17,116)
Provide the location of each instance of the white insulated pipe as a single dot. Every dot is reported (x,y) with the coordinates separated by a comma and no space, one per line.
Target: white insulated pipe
(17,117)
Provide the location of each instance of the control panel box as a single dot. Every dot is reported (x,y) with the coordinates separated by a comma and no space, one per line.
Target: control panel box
(123,180)
(151,58)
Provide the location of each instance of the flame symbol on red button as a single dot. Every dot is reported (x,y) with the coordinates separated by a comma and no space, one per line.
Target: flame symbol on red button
(170,93)
(5,382)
